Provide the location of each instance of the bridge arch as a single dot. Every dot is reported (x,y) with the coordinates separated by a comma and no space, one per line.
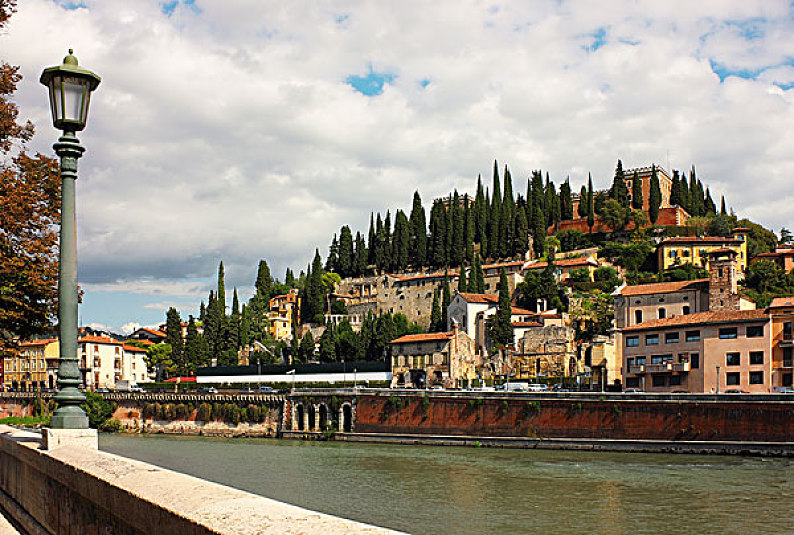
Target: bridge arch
(298,413)
(346,418)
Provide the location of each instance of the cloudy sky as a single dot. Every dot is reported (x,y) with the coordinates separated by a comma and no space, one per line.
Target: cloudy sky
(241,130)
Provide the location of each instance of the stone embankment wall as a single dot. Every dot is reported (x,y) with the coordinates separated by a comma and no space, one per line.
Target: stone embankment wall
(747,418)
(74,489)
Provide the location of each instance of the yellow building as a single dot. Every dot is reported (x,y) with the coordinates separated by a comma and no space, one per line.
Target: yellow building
(681,250)
(34,367)
(284,314)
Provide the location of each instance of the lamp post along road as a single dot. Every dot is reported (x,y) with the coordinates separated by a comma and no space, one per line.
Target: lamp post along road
(70,88)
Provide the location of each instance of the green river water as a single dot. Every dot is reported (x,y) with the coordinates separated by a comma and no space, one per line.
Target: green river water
(443,491)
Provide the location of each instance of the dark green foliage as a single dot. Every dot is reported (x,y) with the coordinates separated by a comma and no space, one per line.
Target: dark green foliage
(435,314)
(173,336)
(619,192)
(500,329)
(684,272)
(590,203)
(313,295)
(581,208)
(306,348)
(571,239)
(720,226)
(418,236)
(632,257)
(722,206)
(477,279)
(494,215)
(400,242)
(446,297)
(346,254)
(97,409)
(654,197)
(462,283)
(539,286)
(710,207)
(566,201)
(636,192)
(332,262)
(766,280)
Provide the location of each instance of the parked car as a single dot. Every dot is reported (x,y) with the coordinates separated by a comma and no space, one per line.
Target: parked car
(736,391)
(207,390)
(537,387)
(267,390)
(633,391)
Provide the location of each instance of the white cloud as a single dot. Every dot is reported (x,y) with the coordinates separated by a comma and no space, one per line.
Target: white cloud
(228,132)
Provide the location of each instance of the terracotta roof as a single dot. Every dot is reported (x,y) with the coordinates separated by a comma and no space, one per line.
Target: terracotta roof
(479,298)
(700,318)
(522,311)
(701,239)
(35,343)
(133,348)
(782,302)
(663,287)
(505,264)
(437,275)
(93,339)
(425,337)
(564,262)
(526,324)
(741,229)
(153,331)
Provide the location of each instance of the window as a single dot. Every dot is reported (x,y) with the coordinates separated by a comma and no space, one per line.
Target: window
(787,352)
(685,254)
(732,378)
(629,363)
(728,333)
(632,341)
(640,361)
(632,382)
(671,338)
(651,339)
(694,360)
(675,380)
(733,359)
(638,316)
(659,380)
(661,359)
(756,378)
(692,336)
(788,330)
(662,313)
(685,310)
(755,331)
(756,357)
(719,272)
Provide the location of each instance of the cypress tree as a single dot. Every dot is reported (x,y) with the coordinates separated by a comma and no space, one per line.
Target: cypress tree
(332,262)
(477,279)
(463,285)
(590,203)
(245,326)
(494,215)
(636,192)
(500,329)
(386,243)
(371,241)
(480,213)
(438,235)
(700,196)
(520,243)
(234,323)
(468,227)
(711,208)
(221,295)
(418,238)
(289,279)
(722,206)
(400,242)
(192,358)
(435,313)
(507,218)
(360,265)
(566,200)
(210,328)
(458,246)
(346,255)
(654,197)
(173,336)
(675,190)
(694,203)
(619,192)
(581,208)
(264,281)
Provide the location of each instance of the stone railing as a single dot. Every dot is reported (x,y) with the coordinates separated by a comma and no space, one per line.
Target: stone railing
(72,489)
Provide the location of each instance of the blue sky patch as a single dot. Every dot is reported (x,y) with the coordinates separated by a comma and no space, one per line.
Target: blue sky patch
(169,6)
(372,84)
(424,82)
(599,39)
(340,19)
(71,5)
(723,71)
(751,29)
(786,86)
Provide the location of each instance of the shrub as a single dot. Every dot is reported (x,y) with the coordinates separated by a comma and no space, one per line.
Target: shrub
(111,425)
(253,414)
(204,412)
(97,409)
(182,411)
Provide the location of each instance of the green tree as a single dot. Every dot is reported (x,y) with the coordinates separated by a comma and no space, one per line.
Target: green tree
(654,197)
(418,232)
(159,361)
(615,215)
(500,328)
(590,203)
(332,263)
(435,314)
(520,243)
(477,283)
(581,208)
(619,191)
(458,245)
(346,256)
(636,192)
(462,282)
(446,297)
(192,358)
(327,344)
(360,264)
(722,206)
(566,200)
(494,215)
(480,214)
(306,348)
(173,337)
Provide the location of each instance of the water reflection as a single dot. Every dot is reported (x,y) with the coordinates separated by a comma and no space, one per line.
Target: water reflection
(446,491)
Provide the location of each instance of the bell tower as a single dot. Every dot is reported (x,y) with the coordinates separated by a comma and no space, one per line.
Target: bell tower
(723,277)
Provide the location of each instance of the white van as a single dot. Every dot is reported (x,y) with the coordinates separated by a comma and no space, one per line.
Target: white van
(537,387)
(515,387)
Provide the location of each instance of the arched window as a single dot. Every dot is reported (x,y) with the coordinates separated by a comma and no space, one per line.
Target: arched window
(638,316)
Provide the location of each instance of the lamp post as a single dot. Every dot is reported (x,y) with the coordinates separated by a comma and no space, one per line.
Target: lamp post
(292,373)
(718,379)
(70,88)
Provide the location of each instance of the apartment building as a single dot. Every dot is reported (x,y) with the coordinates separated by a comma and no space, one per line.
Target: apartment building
(33,367)
(681,250)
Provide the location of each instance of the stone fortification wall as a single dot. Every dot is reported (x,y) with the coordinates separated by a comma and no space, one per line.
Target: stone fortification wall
(751,418)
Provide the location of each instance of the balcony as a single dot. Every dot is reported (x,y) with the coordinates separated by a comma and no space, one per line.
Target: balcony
(682,367)
(659,368)
(637,369)
(788,364)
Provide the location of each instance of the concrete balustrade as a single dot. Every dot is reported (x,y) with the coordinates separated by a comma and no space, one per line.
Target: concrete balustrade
(78,490)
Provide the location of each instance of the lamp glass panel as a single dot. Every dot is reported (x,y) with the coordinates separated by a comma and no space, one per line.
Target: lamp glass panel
(73,99)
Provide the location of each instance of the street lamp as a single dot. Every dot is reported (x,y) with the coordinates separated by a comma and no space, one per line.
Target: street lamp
(718,379)
(70,88)
(292,373)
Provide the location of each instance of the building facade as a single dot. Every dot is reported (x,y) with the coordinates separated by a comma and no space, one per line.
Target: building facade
(33,367)
(681,250)
(412,295)
(425,360)
(284,314)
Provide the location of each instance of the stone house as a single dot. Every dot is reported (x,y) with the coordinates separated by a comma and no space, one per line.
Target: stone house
(412,295)
(547,350)
(783,256)
(284,314)
(422,360)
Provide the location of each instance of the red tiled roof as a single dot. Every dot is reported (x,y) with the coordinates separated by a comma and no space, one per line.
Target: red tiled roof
(35,343)
(701,239)
(700,318)
(504,265)
(437,275)
(93,339)
(133,348)
(782,302)
(153,331)
(564,262)
(663,287)
(722,250)
(526,324)
(479,298)
(425,337)
(521,311)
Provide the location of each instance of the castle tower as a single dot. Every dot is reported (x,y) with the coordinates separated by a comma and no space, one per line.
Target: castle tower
(723,276)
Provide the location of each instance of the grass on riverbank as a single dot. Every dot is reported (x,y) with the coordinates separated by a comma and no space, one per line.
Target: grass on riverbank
(26,421)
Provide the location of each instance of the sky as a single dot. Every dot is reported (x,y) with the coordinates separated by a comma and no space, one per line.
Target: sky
(247,130)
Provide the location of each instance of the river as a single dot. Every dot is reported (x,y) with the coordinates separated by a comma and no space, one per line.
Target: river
(428,490)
